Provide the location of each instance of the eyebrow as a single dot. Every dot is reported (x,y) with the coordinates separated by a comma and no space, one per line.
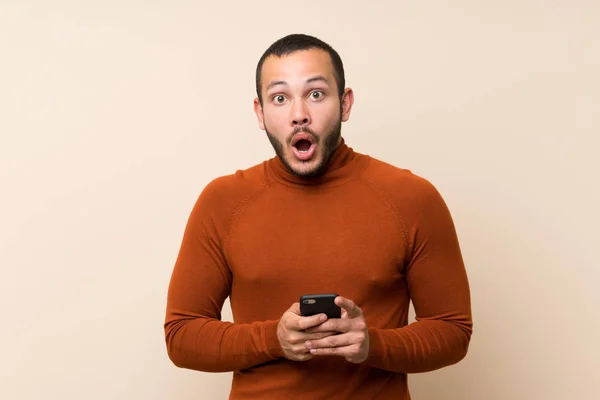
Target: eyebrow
(317,79)
(310,80)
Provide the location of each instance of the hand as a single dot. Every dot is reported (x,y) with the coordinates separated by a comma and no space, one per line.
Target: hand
(353,340)
(292,336)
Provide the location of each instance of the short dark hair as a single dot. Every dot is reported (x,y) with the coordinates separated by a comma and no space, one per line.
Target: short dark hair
(297,42)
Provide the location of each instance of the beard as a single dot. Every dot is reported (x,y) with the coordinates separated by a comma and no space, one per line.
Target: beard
(329,139)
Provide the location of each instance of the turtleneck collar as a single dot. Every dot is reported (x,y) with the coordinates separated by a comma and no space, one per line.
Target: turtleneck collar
(338,170)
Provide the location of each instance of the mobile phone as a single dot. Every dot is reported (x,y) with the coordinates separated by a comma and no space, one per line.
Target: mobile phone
(311,304)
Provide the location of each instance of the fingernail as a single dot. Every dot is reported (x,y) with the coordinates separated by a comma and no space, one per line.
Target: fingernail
(323,318)
(313,351)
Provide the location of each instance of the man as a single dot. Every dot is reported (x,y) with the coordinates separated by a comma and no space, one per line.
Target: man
(318,217)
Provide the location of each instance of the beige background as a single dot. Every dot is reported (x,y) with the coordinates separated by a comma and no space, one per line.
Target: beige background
(115,114)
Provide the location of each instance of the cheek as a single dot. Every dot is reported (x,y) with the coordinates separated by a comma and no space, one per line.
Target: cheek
(327,117)
(274,119)
(329,110)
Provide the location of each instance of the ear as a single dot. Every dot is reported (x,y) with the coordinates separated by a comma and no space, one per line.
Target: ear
(347,102)
(258,110)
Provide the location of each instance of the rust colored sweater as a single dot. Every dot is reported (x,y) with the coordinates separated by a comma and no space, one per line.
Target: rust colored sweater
(369,231)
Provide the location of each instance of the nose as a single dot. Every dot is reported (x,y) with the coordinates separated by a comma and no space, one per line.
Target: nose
(300,114)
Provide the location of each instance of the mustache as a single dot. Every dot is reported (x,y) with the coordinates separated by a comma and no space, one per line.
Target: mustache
(304,129)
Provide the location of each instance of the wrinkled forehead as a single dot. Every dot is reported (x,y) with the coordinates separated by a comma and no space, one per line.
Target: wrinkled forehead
(297,68)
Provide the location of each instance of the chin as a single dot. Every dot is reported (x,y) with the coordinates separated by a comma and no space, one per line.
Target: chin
(306,169)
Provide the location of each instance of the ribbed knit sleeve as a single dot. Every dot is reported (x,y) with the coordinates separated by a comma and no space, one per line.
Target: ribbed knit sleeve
(196,338)
(437,284)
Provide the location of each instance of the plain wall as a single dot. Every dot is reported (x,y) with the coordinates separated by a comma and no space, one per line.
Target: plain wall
(115,114)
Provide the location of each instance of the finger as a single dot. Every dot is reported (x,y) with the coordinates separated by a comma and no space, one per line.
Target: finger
(298,323)
(295,308)
(299,354)
(300,348)
(352,310)
(318,335)
(330,342)
(309,322)
(335,324)
(296,337)
(343,351)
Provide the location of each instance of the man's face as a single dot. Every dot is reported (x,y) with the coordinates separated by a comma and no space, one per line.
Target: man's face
(301,111)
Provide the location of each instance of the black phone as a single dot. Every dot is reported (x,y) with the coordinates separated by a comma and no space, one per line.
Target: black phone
(311,304)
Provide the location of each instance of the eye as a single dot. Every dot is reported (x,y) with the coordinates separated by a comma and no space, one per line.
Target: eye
(316,95)
(279,99)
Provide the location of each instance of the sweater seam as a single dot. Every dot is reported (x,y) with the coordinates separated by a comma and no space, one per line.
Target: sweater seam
(384,196)
(243,204)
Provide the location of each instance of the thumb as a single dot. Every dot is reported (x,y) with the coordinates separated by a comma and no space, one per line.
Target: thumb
(295,308)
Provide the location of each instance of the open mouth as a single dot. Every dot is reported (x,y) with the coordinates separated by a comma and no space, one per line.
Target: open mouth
(303,146)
